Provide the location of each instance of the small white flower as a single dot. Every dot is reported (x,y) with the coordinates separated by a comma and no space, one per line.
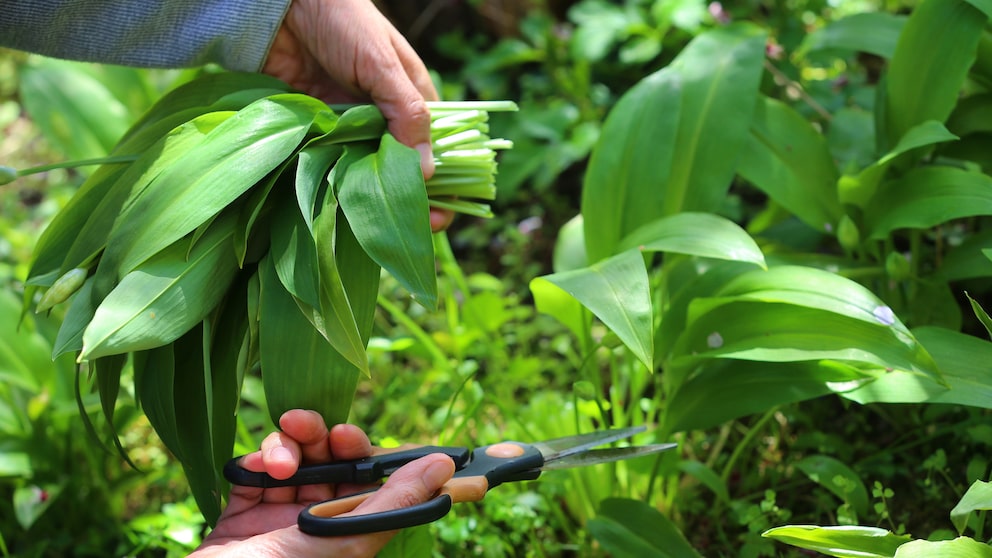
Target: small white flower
(714,341)
(884,315)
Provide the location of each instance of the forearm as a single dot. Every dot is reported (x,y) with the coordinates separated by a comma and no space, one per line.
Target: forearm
(150,33)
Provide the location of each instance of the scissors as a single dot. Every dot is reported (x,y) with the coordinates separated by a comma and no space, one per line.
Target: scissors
(476,472)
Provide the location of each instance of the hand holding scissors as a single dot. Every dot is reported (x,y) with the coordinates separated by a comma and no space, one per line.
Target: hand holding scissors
(476,473)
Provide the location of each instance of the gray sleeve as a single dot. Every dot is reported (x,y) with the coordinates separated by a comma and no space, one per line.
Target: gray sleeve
(236,34)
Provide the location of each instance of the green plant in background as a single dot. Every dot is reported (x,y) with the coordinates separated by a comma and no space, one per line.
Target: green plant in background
(732,338)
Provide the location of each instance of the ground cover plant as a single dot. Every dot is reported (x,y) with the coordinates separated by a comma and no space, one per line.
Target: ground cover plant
(779,257)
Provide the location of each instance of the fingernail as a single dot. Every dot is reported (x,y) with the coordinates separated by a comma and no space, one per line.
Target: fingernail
(426,159)
(280,453)
(437,474)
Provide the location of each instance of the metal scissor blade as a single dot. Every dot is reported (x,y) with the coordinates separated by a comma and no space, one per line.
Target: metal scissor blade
(607,455)
(570,445)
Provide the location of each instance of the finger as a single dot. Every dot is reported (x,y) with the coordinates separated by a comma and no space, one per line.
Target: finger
(441,219)
(349,442)
(280,459)
(308,430)
(411,484)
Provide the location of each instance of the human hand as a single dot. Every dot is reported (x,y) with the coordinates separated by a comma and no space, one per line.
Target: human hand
(262,522)
(347,51)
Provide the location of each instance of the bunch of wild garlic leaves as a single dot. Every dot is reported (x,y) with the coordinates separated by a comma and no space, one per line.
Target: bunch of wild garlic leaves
(240,224)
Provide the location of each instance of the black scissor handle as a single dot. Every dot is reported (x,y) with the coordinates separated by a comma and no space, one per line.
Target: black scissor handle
(312,522)
(359,471)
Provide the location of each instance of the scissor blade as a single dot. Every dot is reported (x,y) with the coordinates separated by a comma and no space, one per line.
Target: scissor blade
(570,445)
(592,457)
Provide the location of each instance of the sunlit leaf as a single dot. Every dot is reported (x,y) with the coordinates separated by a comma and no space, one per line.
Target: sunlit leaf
(164,297)
(977,498)
(790,161)
(385,201)
(935,50)
(926,197)
(966,367)
(616,291)
(961,547)
(981,314)
(844,542)
(696,234)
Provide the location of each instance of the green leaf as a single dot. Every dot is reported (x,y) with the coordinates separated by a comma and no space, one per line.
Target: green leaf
(696,234)
(192,401)
(844,542)
(967,260)
(108,380)
(873,32)
(790,161)
(620,190)
(553,301)
(200,183)
(616,291)
(935,51)
(981,314)
(154,386)
(860,190)
(164,297)
(74,110)
(707,477)
(977,498)
(294,255)
(966,368)
(838,478)
(385,201)
(633,528)
(786,332)
(77,317)
(24,352)
(720,72)
(926,197)
(300,369)
(961,547)
(723,390)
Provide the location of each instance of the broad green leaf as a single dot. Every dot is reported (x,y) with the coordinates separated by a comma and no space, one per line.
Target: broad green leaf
(966,366)
(199,184)
(972,115)
(361,282)
(412,541)
(961,547)
(205,91)
(935,51)
(616,291)
(723,390)
(980,313)
(357,123)
(228,363)
(720,72)
(570,246)
(336,319)
(164,297)
(154,386)
(108,380)
(814,288)
(552,300)
(300,369)
(15,464)
(73,109)
(787,332)
(294,255)
(926,197)
(77,317)
(873,32)
(24,352)
(385,201)
(977,498)
(967,260)
(844,542)
(790,161)
(695,234)
(91,238)
(192,400)
(623,187)
(851,137)
(627,527)
(860,190)
(28,507)
(312,168)
(838,478)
